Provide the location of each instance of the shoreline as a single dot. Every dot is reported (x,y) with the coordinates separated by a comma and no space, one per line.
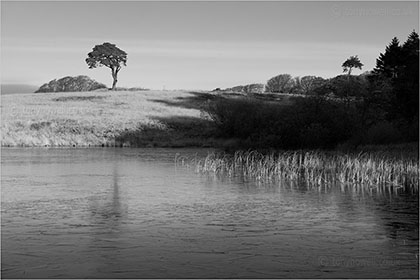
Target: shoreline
(122,119)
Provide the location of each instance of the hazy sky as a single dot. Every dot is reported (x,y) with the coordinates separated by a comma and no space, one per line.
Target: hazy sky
(196,45)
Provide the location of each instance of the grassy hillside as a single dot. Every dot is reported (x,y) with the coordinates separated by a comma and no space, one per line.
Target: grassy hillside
(124,118)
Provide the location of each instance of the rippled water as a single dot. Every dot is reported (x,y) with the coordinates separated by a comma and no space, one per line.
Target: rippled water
(130,213)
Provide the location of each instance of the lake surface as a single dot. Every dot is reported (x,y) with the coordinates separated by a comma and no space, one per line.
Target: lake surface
(131,213)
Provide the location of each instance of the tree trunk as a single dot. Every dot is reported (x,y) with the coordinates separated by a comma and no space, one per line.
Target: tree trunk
(114,77)
(114,83)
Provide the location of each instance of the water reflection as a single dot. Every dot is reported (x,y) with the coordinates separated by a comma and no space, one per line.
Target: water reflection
(401,217)
(132,214)
(107,217)
(105,206)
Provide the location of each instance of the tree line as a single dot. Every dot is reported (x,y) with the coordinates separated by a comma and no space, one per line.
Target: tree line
(376,107)
(394,82)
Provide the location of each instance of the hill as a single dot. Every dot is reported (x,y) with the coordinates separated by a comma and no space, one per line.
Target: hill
(106,118)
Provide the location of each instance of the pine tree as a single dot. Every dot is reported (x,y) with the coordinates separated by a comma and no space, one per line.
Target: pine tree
(412,44)
(407,83)
(389,63)
(399,68)
(410,52)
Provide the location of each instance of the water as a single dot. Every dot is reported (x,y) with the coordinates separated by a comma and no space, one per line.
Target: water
(130,213)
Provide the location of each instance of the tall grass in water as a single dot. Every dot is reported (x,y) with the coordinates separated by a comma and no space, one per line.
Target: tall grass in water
(372,169)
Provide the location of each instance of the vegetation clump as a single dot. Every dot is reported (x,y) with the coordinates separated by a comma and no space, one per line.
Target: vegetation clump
(299,123)
(378,107)
(71,84)
(246,89)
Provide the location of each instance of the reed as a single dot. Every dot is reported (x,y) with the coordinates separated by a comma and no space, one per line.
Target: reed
(369,169)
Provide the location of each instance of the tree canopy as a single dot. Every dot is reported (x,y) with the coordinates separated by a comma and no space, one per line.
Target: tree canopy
(110,56)
(282,83)
(309,83)
(350,63)
(389,62)
(398,66)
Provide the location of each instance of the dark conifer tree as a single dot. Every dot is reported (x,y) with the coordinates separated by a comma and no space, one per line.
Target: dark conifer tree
(389,62)
(396,78)
(407,83)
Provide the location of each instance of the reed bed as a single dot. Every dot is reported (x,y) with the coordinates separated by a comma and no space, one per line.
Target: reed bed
(371,169)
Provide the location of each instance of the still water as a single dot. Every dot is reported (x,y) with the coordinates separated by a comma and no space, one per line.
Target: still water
(131,213)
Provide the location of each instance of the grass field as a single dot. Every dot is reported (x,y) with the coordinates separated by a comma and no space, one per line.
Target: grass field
(105,118)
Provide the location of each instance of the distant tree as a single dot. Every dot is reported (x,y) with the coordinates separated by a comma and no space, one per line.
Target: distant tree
(236,89)
(254,88)
(309,83)
(110,56)
(297,87)
(348,88)
(282,83)
(350,63)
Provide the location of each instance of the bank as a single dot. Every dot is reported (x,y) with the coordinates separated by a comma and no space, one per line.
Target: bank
(104,118)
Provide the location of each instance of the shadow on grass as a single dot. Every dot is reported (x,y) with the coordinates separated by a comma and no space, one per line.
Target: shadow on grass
(191,131)
(198,99)
(175,132)
(78,98)
(194,101)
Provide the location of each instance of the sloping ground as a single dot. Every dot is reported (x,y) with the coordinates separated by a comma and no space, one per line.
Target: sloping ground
(125,118)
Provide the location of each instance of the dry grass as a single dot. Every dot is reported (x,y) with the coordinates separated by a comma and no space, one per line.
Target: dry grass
(90,118)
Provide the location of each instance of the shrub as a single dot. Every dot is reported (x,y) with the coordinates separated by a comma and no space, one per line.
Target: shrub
(239,117)
(247,89)
(382,133)
(254,88)
(283,83)
(310,83)
(79,83)
(236,89)
(307,123)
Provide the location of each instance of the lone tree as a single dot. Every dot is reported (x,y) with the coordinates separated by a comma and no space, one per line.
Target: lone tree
(352,62)
(110,56)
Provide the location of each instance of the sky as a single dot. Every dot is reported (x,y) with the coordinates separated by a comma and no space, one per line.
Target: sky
(197,45)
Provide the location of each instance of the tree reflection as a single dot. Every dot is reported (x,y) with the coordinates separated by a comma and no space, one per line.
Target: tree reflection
(107,208)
